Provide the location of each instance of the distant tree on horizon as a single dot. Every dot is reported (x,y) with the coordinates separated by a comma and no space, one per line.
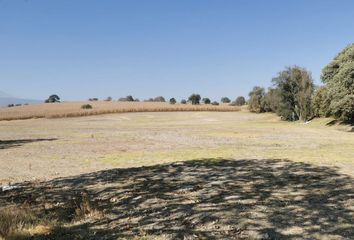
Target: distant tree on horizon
(173,101)
(206,101)
(240,101)
(194,99)
(225,100)
(52,99)
(159,99)
(128,98)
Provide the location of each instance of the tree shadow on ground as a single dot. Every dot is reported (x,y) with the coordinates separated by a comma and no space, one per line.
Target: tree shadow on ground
(200,199)
(4,144)
(350,124)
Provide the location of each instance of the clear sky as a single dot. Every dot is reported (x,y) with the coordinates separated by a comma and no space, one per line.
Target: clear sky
(98,48)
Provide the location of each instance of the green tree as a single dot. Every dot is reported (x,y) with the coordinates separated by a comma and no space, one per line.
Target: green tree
(194,99)
(321,102)
(183,101)
(240,101)
(256,101)
(295,86)
(225,100)
(338,76)
(159,99)
(53,99)
(173,101)
(206,101)
(128,98)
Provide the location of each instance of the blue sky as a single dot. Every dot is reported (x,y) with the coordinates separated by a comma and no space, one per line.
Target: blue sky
(91,48)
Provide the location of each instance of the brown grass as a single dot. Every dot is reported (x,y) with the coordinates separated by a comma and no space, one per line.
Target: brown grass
(73,109)
(14,219)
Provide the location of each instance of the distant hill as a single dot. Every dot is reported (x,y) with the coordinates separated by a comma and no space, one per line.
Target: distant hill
(6,99)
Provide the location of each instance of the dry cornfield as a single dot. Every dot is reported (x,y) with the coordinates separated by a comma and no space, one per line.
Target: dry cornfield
(73,109)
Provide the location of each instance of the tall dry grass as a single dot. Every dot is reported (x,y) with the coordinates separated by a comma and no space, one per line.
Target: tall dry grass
(73,109)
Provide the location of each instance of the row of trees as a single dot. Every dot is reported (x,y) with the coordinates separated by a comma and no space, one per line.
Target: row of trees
(193,99)
(295,97)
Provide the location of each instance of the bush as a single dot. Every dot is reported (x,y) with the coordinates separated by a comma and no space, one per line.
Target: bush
(159,99)
(240,101)
(18,105)
(183,101)
(52,99)
(86,106)
(225,100)
(93,99)
(215,103)
(108,99)
(194,99)
(173,101)
(206,101)
(11,105)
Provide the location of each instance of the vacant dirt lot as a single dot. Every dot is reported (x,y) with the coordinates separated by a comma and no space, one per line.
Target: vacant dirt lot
(243,176)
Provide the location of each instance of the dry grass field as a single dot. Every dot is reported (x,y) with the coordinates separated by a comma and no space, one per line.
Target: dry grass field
(73,109)
(176,175)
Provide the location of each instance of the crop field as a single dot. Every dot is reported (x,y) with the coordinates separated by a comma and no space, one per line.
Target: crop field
(176,175)
(73,109)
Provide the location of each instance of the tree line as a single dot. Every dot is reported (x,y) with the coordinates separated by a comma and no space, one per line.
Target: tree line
(293,95)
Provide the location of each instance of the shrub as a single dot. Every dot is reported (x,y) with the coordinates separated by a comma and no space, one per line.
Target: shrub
(52,99)
(18,105)
(136,100)
(206,101)
(108,99)
(183,101)
(240,101)
(11,105)
(215,103)
(93,99)
(173,101)
(86,106)
(194,99)
(225,100)
(159,99)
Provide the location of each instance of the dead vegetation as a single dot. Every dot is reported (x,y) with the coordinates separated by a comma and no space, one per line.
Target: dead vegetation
(74,109)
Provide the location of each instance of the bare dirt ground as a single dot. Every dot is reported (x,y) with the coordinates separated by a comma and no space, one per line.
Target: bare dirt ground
(196,175)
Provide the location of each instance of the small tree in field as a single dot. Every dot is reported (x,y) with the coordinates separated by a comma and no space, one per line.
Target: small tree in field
(256,101)
(183,101)
(108,99)
(159,99)
(206,101)
(225,100)
(127,99)
(240,101)
(194,99)
(53,99)
(173,101)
